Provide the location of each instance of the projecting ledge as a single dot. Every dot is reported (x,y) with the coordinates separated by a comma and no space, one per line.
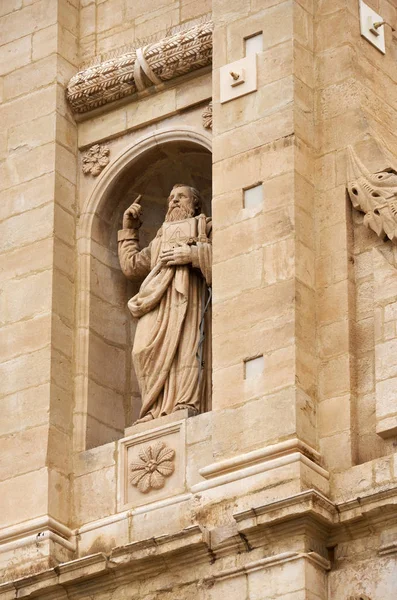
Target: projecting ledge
(259,461)
(142,69)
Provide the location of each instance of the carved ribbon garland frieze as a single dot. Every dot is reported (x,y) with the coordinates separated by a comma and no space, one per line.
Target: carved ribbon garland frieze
(374,194)
(135,71)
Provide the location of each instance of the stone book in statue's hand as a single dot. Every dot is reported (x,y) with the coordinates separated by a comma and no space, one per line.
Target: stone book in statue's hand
(179,232)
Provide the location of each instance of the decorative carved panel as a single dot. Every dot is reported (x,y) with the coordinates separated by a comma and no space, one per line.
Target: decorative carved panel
(95,160)
(156,462)
(374,194)
(138,70)
(152,464)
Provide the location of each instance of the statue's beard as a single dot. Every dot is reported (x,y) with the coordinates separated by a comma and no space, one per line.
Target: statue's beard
(178,214)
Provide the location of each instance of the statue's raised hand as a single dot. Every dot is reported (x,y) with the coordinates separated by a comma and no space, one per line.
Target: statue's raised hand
(132,216)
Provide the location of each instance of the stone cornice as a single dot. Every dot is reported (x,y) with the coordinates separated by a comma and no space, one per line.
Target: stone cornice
(36,530)
(136,71)
(307,502)
(308,512)
(271,561)
(97,571)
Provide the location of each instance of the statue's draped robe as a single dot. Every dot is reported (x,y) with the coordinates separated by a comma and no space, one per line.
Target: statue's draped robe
(169,306)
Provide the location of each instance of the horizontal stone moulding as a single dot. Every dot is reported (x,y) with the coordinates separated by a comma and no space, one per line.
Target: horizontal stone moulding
(34,532)
(271,561)
(262,467)
(34,527)
(288,509)
(258,456)
(145,67)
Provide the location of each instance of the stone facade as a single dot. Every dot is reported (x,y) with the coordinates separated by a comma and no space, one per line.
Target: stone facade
(285,487)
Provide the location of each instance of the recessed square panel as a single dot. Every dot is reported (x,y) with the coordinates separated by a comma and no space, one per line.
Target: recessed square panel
(368,18)
(254,367)
(152,465)
(253,197)
(254,44)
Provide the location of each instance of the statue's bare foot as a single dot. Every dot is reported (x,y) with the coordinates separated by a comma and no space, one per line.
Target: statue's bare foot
(189,407)
(145,419)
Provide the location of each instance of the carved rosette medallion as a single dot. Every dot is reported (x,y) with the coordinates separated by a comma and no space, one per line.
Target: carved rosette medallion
(156,464)
(95,160)
(207,116)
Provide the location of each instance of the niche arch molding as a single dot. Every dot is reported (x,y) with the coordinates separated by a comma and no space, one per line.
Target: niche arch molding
(97,202)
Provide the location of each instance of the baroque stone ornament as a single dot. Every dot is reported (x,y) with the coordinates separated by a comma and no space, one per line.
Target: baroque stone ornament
(95,160)
(374,194)
(207,116)
(171,351)
(156,464)
(135,71)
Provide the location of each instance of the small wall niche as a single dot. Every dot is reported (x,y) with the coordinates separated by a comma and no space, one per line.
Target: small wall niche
(254,367)
(253,197)
(107,396)
(253,44)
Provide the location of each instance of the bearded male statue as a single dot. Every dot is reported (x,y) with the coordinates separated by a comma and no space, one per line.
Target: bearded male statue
(171,352)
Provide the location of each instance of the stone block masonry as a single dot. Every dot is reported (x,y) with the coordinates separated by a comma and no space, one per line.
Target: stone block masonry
(286,487)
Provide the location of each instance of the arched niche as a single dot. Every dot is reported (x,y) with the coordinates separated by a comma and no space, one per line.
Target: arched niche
(107,395)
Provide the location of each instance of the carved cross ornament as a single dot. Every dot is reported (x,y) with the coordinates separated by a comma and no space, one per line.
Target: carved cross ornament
(156,463)
(374,194)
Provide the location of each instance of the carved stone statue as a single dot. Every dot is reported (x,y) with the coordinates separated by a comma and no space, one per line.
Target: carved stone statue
(171,352)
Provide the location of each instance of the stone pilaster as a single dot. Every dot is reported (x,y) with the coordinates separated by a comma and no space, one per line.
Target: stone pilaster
(38,177)
(264,256)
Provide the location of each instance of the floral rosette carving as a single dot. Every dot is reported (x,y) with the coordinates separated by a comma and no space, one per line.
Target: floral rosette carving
(95,160)
(156,464)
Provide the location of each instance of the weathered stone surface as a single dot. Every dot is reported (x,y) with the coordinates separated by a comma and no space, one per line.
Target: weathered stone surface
(121,77)
(169,375)
(286,486)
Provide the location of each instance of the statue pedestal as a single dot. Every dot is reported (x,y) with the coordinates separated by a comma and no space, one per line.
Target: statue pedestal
(152,462)
(155,423)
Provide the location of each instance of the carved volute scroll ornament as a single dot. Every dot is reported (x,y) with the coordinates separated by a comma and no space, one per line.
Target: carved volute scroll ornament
(207,116)
(95,160)
(374,194)
(156,463)
(171,351)
(135,71)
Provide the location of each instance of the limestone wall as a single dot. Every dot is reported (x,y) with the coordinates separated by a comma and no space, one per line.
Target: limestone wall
(106,26)
(286,488)
(264,260)
(38,186)
(351,107)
